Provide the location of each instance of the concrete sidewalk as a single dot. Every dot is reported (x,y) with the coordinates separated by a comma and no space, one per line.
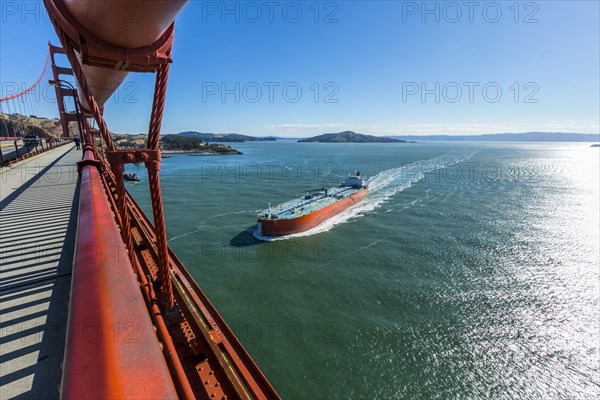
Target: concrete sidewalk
(38,220)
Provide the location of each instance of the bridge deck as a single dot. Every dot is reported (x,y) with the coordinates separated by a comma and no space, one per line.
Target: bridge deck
(38,220)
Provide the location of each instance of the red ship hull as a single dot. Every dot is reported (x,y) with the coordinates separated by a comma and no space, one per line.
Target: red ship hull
(282,227)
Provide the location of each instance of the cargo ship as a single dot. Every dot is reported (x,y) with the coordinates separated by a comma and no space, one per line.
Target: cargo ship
(316,206)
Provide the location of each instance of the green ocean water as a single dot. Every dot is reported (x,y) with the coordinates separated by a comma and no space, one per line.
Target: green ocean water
(471,271)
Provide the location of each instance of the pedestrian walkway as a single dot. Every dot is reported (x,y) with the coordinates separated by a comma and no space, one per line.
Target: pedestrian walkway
(38,221)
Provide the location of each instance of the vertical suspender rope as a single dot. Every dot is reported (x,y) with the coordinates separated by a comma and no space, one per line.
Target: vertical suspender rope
(5,124)
(14,96)
(158,105)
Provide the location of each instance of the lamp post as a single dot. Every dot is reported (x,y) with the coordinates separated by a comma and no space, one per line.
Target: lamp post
(60,83)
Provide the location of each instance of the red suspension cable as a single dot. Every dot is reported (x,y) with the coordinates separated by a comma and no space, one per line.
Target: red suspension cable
(14,96)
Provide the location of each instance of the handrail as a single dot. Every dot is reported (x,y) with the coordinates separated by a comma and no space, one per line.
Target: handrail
(112,349)
(49,145)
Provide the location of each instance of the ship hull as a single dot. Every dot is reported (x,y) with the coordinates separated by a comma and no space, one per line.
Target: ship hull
(282,227)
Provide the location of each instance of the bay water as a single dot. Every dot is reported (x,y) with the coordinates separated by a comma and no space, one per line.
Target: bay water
(470,271)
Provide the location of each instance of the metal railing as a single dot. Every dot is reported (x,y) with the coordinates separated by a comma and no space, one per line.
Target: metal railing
(23,151)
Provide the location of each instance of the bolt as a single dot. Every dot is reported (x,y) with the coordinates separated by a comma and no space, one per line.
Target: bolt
(145,156)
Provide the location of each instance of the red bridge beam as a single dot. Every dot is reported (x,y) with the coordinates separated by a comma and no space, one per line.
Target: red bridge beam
(112,347)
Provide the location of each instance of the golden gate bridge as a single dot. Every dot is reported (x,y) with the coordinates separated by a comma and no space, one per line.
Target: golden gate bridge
(138,325)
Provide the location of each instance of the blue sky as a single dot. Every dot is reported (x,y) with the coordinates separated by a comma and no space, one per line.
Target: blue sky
(304,68)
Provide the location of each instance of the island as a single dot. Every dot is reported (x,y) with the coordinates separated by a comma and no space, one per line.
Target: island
(595,145)
(350,137)
(176,144)
(225,137)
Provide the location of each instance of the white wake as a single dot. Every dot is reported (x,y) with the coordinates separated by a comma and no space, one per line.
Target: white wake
(382,187)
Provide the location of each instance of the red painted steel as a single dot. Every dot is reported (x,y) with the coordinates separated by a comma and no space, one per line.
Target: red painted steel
(158,105)
(57,72)
(112,350)
(64,24)
(114,37)
(204,357)
(130,24)
(243,364)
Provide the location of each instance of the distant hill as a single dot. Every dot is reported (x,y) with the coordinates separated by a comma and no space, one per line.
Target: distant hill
(173,143)
(516,137)
(21,125)
(349,137)
(225,137)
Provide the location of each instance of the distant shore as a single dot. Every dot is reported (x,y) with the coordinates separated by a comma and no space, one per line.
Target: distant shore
(229,151)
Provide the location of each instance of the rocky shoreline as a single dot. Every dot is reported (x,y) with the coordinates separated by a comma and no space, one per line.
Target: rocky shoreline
(208,152)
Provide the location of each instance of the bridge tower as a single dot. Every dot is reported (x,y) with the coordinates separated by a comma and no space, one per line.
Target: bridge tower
(61,93)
